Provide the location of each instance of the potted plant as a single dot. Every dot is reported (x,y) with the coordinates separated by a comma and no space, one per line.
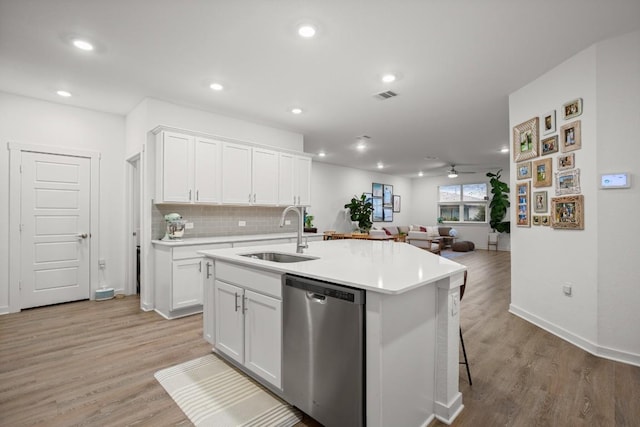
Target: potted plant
(360,210)
(499,203)
(308,224)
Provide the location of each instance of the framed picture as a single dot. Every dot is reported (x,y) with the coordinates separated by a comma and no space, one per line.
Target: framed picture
(571,137)
(387,213)
(567,212)
(567,161)
(540,201)
(549,122)
(376,189)
(525,140)
(537,220)
(524,170)
(542,173)
(549,145)
(396,203)
(387,198)
(544,220)
(377,215)
(568,182)
(572,109)
(522,199)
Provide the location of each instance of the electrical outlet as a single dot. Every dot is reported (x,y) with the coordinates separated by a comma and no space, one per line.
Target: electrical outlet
(242,223)
(566,288)
(287,222)
(102,263)
(188,225)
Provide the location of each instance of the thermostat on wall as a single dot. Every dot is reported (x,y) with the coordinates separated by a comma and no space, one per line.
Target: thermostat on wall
(615,180)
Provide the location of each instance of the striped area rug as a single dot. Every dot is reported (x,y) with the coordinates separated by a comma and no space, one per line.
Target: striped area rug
(211,393)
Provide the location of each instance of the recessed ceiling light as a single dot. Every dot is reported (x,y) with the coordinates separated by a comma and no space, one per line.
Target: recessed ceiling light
(306,31)
(296,110)
(388,78)
(380,165)
(504,150)
(361,145)
(420,173)
(216,86)
(322,154)
(64,93)
(83,45)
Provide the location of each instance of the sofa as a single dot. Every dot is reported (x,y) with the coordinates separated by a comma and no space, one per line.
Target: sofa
(431,238)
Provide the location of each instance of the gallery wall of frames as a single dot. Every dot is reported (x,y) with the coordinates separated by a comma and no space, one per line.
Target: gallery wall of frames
(385,203)
(539,149)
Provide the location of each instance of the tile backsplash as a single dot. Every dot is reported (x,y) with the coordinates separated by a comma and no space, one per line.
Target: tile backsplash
(211,221)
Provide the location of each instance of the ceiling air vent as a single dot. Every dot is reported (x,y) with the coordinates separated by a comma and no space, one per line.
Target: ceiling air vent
(385,95)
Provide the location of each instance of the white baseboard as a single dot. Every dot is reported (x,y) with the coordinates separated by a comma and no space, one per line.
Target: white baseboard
(586,345)
(447,413)
(4,309)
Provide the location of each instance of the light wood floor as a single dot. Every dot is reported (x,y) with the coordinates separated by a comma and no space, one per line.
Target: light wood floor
(92,364)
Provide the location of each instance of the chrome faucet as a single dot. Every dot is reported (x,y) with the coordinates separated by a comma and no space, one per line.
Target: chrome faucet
(299,245)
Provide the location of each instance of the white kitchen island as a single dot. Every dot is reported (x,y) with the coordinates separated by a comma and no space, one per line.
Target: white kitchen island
(411,317)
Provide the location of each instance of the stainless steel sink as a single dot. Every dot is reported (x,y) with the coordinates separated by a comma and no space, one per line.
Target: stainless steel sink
(278,257)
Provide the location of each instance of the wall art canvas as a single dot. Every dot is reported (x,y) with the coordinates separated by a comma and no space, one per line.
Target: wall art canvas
(567,212)
(549,145)
(540,201)
(572,109)
(568,182)
(549,122)
(542,175)
(524,170)
(522,199)
(567,161)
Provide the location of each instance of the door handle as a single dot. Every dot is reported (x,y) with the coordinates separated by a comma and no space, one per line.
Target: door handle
(197,195)
(208,271)
(189,195)
(82,235)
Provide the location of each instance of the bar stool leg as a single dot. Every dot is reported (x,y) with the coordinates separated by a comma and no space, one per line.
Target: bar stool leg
(466,362)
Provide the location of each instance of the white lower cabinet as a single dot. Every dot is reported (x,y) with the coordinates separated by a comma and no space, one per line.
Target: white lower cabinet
(180,273)
(186,283)
(248,323)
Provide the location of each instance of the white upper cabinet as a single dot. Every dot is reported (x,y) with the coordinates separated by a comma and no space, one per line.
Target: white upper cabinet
(303,180)
(207,170)
(236,174)
(200,170)
(265,176)
(187,168)
(249,175)
(294,181)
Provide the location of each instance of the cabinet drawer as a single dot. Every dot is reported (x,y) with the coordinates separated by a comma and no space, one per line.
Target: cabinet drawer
(184,252)
(264,282)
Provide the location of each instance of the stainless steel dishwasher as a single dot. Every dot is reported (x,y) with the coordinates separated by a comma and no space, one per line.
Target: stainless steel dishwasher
(323,350)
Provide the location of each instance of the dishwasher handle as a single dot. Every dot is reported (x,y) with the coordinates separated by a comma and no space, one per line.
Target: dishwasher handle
(325,290)
(317,298)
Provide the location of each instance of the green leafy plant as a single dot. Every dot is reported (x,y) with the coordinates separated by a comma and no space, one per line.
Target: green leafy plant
(360,210)
(308,221)
(499,203)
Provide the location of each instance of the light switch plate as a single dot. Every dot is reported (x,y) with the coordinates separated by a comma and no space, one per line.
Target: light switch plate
(242,223)
(188,225)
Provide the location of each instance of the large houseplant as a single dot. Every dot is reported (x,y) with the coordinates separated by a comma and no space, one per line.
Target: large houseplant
(360,210)
(499,203)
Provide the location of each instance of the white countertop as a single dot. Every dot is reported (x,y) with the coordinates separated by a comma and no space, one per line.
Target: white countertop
(227,239)
(380,266)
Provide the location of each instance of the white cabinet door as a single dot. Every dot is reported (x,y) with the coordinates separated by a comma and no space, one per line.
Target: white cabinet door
(263,336)
(303,180)
(176,168)
(264,177)
(186,283)
(229,320)
(207,170)
(236,174)
(286,192)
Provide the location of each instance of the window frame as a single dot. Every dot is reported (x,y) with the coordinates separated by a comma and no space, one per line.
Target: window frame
(462,204)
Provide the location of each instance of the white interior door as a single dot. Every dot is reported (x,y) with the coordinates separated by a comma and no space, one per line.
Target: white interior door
(55,225)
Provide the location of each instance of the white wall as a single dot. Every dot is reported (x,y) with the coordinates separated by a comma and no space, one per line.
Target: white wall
(424,208)
(618,112)
(333,186)
(30,121)
(596,261)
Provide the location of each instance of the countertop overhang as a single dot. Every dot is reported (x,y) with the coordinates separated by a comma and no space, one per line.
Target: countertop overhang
(379,266)
(228,239)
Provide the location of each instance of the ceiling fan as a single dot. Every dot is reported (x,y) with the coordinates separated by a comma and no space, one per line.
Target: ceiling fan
(453,173)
